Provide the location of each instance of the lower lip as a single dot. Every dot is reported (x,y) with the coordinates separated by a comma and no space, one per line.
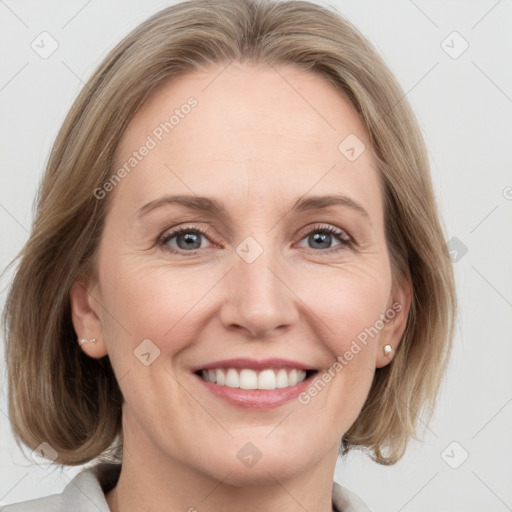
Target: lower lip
(257,398)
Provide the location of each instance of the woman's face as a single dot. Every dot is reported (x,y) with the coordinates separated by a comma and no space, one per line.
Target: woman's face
(267,285)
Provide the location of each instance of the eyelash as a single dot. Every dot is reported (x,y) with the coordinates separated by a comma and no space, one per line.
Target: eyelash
(345,243)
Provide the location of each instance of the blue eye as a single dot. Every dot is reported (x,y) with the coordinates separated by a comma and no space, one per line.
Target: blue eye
(188,239)
(323,235)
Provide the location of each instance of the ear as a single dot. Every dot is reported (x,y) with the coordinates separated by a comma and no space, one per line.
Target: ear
(395,321)
(86,322)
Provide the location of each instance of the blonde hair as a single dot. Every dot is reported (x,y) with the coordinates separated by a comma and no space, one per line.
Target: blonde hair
(57,394)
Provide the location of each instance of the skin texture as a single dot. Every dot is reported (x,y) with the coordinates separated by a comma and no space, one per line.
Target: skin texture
(259,138)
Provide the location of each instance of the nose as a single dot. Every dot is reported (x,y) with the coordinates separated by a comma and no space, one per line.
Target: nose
(259,300)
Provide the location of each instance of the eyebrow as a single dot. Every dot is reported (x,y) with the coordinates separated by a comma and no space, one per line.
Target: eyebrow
(207,204)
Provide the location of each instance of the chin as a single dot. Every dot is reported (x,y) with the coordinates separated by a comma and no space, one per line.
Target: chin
(247,467)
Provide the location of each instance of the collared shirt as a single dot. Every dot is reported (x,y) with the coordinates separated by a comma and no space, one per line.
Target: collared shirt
(86,493)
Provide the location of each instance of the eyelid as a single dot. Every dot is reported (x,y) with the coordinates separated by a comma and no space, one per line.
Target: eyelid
(176,230)
(346,241)
(345,238)
(330,228)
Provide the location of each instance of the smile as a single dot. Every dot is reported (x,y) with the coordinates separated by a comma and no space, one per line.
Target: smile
(255,384)
(246,378)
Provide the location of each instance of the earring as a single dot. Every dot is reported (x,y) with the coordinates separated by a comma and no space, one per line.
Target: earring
(388,351)
(92,340)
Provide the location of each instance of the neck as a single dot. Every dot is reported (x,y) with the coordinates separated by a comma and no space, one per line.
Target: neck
(152,481)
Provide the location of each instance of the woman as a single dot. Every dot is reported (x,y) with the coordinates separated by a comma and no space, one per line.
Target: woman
(237,270)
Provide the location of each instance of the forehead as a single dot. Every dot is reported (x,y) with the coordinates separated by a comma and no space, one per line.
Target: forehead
(256,132)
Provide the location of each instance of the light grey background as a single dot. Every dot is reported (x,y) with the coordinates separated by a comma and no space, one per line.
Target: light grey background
(464,106)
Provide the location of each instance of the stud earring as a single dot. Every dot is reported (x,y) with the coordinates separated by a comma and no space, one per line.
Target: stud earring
(92,340)
(388,351)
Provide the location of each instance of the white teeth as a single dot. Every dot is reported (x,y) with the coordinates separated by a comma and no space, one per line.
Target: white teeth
(232,379)
(250,379)
(267,379)
(282,379)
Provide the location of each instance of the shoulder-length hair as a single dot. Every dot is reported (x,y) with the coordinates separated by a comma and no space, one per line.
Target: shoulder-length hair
(57,394)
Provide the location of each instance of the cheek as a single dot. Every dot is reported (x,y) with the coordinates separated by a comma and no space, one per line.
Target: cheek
(145,296)
(351,308)
(151,301)
(161,302)
(350,302)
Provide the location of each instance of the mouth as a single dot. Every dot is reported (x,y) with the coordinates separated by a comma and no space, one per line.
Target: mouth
(267,379)
(252,384)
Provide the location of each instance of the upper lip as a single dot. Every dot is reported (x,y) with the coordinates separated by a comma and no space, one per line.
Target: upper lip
(253,364)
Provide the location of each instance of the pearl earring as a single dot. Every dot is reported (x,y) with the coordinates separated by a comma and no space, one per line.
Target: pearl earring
(388,351)
(92,340)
